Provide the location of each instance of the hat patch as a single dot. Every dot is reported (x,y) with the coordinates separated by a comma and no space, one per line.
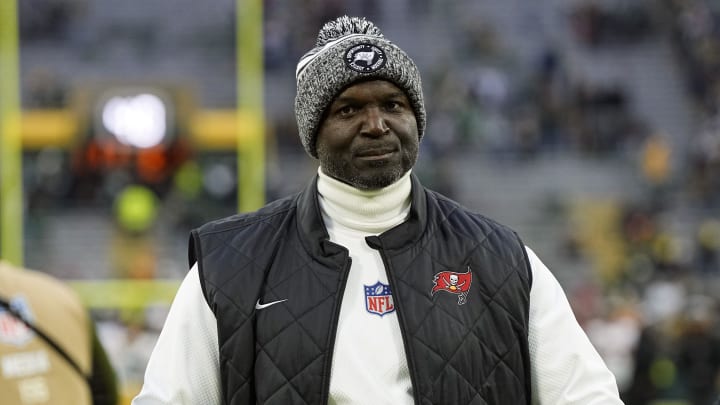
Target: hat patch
(365,58)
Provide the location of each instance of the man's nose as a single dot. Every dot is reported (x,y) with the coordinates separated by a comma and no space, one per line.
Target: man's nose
(374,123)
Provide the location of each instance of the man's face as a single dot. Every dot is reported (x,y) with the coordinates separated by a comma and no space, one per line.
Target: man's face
(369,137)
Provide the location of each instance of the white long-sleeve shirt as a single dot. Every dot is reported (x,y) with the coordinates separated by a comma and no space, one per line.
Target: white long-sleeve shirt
(565,368)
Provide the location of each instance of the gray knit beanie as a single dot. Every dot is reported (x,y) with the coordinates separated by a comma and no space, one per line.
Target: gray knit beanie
(348,50)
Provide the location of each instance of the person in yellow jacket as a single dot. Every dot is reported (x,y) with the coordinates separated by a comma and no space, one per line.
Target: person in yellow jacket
(49,350)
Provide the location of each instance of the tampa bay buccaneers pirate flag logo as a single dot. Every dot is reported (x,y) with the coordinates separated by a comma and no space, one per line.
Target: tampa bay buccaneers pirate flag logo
(454,283)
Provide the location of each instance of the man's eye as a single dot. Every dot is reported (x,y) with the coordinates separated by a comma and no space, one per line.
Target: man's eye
(393,105)
(346,110)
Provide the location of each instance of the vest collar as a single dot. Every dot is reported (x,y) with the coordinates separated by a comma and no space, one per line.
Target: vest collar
(409,232)
(315,238)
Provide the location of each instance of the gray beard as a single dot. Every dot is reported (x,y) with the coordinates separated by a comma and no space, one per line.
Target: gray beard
(341,171)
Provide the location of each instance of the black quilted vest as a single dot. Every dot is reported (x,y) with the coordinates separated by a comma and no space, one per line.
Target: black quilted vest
(474,353)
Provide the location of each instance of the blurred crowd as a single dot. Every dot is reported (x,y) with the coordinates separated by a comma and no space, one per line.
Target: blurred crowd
(652,310)
(696,38)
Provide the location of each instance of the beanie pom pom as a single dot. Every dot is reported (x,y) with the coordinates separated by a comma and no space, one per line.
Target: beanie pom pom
(345,25)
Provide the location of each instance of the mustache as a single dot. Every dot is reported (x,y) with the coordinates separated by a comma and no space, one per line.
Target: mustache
(375,149)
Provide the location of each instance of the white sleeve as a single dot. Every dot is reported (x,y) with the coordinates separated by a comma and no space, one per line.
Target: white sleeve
(565,368)
(184,366)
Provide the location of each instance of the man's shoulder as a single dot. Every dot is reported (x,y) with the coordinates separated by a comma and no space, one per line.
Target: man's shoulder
(20,276)
(495,237)
(37,286)
(272,211)
(454,209)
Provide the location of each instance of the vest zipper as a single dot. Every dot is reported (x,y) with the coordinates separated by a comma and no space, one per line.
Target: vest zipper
(401,321)
(327,368)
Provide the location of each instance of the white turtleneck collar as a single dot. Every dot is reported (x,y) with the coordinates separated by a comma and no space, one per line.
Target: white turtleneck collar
(373,211)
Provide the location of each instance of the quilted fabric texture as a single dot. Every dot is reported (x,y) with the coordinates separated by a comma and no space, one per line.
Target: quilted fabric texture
(475,353)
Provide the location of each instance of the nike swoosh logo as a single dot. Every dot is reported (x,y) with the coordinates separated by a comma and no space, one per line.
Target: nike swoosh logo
(258,305)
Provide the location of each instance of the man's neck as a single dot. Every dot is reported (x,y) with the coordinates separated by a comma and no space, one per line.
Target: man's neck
(372,211)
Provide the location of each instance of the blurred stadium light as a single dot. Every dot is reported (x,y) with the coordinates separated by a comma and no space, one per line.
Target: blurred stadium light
(139,120)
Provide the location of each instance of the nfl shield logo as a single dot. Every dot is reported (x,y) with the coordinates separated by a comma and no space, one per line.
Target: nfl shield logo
(378,299)
(12,330)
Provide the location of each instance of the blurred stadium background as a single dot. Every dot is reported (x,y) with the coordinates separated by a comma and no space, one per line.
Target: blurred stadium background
(590,127)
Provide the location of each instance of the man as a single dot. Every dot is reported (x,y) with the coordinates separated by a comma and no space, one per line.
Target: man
(49,352)
(366,287)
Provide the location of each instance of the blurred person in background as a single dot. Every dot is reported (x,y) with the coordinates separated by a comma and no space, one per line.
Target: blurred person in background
(677,357)
(366,287)
(698,350)
(49,350)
